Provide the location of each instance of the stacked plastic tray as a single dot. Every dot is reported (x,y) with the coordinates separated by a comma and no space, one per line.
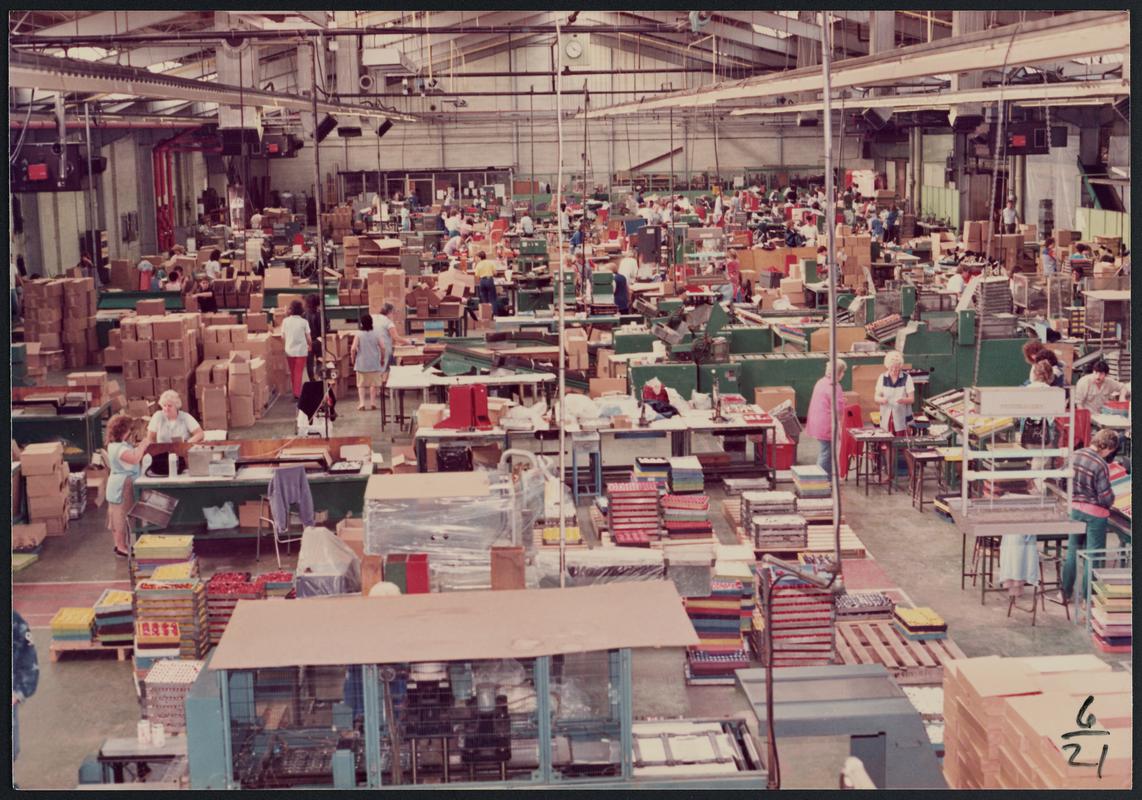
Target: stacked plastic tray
(687,517)
(72,625)
(179,601)
(114,618)
(1111,613)
(153,550)
(168,684)
(717,620)
(803,619)
(651,468)
(686,475)
(632,508)
(223,591)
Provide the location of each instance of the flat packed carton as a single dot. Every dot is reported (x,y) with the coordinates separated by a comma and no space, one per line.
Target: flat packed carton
(769,397)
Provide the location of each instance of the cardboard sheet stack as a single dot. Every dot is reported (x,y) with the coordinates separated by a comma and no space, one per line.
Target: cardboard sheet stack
(72,625)
(168,685)
(154,550)
(1111,610)
(632,510)
(686,517)
(114,618)
(717,620)
(686,475)
(1006,717)
(45,482)
(803,619)
(650,468)
(919,624)
(176,601)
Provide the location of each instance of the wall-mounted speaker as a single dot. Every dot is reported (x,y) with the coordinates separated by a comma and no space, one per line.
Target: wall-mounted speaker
(1058,136)
(325,127)
(384,128)
(348,131)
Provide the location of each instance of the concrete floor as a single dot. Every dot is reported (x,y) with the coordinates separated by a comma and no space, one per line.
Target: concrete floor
(83,700)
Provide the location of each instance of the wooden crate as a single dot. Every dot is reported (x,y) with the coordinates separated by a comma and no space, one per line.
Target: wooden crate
(910,662)
(820,539)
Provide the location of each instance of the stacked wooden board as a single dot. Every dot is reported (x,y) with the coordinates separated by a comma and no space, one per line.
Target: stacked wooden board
(1006,719)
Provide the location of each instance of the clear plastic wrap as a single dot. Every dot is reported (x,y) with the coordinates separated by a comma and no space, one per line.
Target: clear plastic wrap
(458,533)
(326,565)
(600,565)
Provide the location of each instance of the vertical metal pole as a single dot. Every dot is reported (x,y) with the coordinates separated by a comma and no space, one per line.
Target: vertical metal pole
(673,222)
(626,712)
(586,105)
(92,222)
(830,227)
(227,746)
(320,242)
(562,422)
(531,122)
(369,688)
(542,676)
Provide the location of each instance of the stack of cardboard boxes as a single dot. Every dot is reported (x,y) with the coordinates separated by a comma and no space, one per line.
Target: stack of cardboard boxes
(79,305)
(160,352)
(240,388)
(125,275)
(387,286)
(235,292)
(975,234)
(45,481)
(352,249)
(43,326)
(339,223)
(210,379)
(856,250)
(1007,248)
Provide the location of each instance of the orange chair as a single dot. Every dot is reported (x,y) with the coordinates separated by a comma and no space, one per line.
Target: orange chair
(850,447)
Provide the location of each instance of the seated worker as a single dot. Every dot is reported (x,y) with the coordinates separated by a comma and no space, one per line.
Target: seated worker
(174,281)
(622,291)
(213,265)
(526,225)
(170,423)
(1095,389)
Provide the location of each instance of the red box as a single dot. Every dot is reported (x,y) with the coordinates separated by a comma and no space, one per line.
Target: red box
(37,172)
(780,456)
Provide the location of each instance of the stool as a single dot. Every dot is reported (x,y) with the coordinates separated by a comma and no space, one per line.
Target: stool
(917,461)
(1042,588)
(985,554)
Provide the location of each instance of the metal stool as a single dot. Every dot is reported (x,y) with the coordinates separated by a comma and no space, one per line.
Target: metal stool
(1041,588)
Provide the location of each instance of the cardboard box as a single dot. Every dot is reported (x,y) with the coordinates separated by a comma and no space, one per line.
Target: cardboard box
(769,397)
(56,524)
(169,328)
(257,323)
(248,514)
(139,388)
(213,406)
(602,386)
(241,409)
(28,537)
(151,308)
(41,507)
(41,458)
(352,532)
(54,484)
(137,350)
(508,568)
(277,278)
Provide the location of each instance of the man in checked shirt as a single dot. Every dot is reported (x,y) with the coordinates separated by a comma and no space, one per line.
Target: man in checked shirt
(1092,501)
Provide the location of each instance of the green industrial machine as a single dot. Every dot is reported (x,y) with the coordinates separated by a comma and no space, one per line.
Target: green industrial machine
(532,253)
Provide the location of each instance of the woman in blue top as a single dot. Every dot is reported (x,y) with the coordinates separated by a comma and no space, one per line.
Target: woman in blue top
(369,361)
(127,462)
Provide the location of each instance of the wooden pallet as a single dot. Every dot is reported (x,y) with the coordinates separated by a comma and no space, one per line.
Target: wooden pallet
(537,538)
(57,649)
(878,642)
(820,538)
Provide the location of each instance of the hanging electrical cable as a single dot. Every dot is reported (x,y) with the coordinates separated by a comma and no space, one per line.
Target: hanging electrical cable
(1001,143)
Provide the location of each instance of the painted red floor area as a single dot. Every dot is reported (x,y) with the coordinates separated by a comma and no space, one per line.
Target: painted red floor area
(862,574)
(38,602)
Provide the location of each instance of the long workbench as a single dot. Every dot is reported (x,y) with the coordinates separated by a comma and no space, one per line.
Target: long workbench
(82,434)
(339,495)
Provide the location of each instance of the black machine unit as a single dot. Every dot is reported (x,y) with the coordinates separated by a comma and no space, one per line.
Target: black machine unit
(283,145)
(240,141)
(37,168)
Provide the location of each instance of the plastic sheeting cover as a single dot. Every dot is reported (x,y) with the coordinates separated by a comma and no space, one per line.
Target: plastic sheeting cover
(326,565)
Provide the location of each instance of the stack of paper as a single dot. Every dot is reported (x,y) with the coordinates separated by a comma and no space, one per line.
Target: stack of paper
(1111,610)
(717,621)
(71,624)
(114,618)
(686,475)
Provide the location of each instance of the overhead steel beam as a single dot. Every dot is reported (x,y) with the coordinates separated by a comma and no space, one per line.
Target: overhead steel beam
(1054,91)
(108,23)
(1069,36)
(68,75)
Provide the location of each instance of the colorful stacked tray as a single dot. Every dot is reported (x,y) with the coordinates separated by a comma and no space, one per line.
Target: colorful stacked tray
(223,591)
(71,624)
(1120,485)
(167,686)
(114,618)
(686,475)
(687,517)
(179,601)
(717,620)
(276,584)
(178,571)
(632,510)
(856,606)
(1111,610)
(704,668)
(809,480)
(649,468)
(154,550)
(919,624)
(803,619)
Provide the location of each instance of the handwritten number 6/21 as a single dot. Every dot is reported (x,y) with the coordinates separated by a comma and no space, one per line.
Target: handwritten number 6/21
(1085,726)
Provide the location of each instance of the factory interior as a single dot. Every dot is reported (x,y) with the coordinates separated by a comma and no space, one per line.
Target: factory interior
(656,360)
